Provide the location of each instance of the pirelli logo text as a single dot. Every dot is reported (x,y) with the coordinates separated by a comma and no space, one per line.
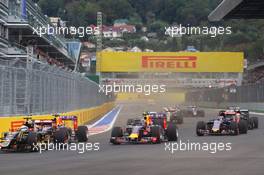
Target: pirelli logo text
(169,62)
(16,125)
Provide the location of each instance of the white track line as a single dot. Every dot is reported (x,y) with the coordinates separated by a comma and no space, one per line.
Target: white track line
(257,113)
(95,123)
(110,126)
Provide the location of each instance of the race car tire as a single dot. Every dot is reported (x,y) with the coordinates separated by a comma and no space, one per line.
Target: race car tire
(32,140)
(234,128)
(61,136)
(82,134)
(221,113)
(255,120)
(243,128)
(200,126)
(155,132)
(250,123)
(172,132)
(117,132)
(140,134)
(39,137)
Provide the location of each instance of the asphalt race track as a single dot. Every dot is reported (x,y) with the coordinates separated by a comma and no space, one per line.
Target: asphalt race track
(246,156)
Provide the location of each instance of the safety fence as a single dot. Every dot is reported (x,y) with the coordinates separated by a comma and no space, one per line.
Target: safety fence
(240,94)
(44,89)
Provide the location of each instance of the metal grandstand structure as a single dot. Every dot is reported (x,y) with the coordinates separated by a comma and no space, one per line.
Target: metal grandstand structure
(40,82)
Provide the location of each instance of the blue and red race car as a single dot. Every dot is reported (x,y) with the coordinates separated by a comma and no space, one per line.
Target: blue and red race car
(152,128)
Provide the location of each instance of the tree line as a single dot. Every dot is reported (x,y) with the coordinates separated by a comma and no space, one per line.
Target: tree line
(155,15)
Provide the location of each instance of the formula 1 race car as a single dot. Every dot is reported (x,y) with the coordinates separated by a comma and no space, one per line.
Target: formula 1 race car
(192,111)
(22,140)
(252,122)
(33,132)
(173,115)
(71,134)
(229,124)
(153,128)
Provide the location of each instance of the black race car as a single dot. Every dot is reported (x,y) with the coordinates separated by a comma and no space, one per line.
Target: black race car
(173,115)
(252,122)
(192,111)
(24,139)
(229,124)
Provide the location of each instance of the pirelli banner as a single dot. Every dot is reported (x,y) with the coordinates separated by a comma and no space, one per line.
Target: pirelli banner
(170,62)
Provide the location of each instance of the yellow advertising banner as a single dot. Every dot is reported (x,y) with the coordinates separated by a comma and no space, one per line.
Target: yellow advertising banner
(170,62)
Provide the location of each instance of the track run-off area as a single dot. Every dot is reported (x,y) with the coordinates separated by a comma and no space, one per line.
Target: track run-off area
(245,157)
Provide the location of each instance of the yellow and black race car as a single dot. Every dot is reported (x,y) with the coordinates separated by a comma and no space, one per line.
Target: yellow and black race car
(32,132)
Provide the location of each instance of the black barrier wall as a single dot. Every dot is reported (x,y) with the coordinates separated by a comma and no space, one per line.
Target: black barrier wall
(241,94)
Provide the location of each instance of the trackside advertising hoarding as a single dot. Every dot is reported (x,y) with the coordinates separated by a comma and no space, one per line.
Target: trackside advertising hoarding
(170,62)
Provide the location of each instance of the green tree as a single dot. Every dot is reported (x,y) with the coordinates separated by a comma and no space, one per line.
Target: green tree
(158,26)
(51,10)
(116,9)
(82,13)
